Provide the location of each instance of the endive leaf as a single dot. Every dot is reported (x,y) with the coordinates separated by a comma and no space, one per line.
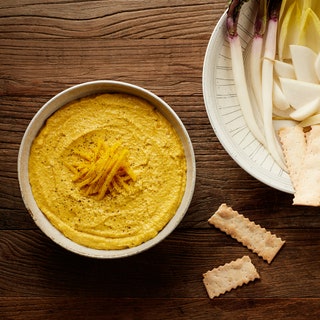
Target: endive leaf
(285,5)
(309,33)
(314,5)
(303,60)
(317,66)
(307,110)
(284,69)
(299,93)
(289,31)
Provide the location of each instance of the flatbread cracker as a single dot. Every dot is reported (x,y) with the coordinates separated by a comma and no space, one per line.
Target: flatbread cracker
(308,185)
(251,235)
(302,155)
(229,276)
(294,145)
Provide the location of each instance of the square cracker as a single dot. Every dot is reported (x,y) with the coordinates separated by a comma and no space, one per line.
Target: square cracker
(251,235)
(229,276)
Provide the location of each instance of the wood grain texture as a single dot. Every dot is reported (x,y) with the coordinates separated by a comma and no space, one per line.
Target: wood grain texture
(47,46)
(154,19)
(128,308)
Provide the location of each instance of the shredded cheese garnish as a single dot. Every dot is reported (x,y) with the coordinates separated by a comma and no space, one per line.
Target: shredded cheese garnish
(103,169)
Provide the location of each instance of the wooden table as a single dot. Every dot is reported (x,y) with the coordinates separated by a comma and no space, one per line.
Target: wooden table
(48,46)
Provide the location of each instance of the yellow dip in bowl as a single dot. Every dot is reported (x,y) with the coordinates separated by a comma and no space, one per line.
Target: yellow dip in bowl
(106,169)
(123,209)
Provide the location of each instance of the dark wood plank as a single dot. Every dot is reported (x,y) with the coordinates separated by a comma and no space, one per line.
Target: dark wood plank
(128,308)
(166,66)
(173,268)
(108,19)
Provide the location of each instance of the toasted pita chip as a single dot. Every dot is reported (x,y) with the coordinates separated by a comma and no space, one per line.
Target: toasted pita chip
(251,235)
(229,276)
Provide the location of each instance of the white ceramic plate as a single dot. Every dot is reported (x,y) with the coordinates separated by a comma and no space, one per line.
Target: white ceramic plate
(224,111)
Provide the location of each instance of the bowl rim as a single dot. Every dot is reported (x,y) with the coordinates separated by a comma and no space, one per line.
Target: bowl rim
(86,89)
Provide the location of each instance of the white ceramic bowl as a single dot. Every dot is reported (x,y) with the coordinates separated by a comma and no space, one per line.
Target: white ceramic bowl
(76,92)
(224,110)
